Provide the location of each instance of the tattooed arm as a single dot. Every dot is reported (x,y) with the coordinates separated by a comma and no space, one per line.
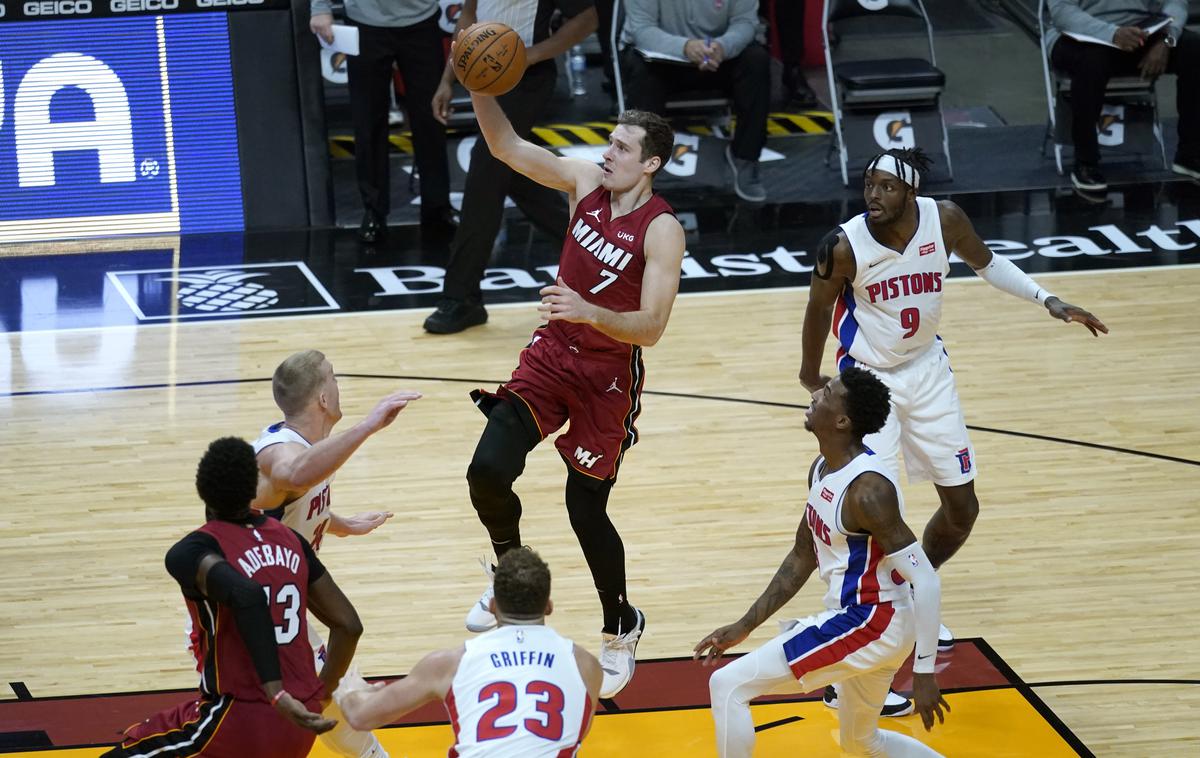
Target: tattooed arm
(789,578)
(835,267)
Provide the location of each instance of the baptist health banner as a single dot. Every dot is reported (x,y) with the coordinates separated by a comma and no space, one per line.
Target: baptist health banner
(115,126)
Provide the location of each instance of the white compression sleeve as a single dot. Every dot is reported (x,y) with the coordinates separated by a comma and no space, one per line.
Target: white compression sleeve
(1004,275)
(912,564)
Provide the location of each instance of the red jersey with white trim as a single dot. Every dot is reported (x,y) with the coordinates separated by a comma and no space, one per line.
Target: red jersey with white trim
(603,259)
(891,311)
(851,564)
(271,555)
(518,693)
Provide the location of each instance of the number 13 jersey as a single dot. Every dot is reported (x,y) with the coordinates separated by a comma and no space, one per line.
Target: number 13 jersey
(518,693)
(892,308)
(603,259)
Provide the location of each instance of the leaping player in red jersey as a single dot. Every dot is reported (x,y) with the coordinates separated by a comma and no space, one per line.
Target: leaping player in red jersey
(617,279)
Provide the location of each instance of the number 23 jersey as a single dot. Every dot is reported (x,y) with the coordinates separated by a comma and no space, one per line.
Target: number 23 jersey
(894,305)
(518,693)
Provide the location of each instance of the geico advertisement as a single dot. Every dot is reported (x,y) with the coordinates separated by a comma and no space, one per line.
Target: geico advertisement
(94,135)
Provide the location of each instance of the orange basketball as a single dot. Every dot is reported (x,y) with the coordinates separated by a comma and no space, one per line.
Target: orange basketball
(489,58)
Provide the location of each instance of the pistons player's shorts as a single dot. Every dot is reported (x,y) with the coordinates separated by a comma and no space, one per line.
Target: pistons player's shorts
(220,727)
(926,422)
(847,642)
(600,393)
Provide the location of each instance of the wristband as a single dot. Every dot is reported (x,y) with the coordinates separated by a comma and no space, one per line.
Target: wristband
(275,700)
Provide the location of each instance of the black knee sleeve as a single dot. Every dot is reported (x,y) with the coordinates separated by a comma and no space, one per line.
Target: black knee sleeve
(499,459)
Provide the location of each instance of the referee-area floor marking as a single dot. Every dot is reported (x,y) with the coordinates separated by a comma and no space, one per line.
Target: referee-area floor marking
(663,712)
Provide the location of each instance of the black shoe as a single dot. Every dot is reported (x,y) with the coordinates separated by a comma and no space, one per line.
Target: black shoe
(1088,178)
(452,316)
(442,221)
(894,704)
(372,228)
(797,93)
(1187,167)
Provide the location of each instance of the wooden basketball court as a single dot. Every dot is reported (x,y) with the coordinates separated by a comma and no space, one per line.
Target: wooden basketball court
(1079,573)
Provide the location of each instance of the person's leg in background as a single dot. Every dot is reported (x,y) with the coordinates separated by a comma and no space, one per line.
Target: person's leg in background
(645,83)
(420,55)
(370,76)
(1184,62)
(749,76)
(788,22)
(1090,67)
(488,183)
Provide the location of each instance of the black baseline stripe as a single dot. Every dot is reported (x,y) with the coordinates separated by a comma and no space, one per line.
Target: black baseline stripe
(1031,697)
(1100,682)
(21,691)
(660,393)
(780,722)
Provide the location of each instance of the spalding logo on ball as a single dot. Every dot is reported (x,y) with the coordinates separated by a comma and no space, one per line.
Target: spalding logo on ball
(489,58)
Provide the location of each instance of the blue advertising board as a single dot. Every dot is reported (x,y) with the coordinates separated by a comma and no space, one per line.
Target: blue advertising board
(117,126)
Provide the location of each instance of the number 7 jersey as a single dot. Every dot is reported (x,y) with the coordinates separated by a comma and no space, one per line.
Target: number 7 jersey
(603,259)
(518,693)
(894,305)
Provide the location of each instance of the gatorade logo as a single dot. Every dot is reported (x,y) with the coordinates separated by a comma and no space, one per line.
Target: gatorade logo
(894,129)
(1110,129)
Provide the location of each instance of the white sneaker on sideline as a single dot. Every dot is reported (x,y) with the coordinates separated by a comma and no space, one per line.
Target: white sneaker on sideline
(945,638)
(617,657)
(480,618)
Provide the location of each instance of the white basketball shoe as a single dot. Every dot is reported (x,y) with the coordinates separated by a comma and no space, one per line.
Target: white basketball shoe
(617,656)
(480,618)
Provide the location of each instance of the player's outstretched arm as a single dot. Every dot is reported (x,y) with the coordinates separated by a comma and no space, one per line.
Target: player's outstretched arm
(593,678)
(359,523)
(291,467)
(333,608)
(871,506)
(835,266)
(998,271)
(370,707)
(664,248)
(791,575)
(574,176)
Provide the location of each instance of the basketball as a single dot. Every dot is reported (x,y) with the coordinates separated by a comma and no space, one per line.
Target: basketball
(489,58)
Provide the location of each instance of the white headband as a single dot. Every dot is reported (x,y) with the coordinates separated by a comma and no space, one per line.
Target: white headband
(898,168)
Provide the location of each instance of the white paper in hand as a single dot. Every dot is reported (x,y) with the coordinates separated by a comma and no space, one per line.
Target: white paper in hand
(345,40)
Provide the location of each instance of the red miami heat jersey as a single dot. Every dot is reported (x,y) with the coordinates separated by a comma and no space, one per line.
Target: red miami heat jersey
(603,259)
(269,554)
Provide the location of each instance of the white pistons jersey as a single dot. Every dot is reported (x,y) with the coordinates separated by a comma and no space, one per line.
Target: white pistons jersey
(309,513)
(892,308)
(851,565)
(518,693)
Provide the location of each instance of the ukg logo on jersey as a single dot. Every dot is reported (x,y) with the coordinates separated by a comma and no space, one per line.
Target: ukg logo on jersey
(85,132)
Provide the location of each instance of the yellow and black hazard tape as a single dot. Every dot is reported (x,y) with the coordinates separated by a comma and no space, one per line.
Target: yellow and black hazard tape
(596,132)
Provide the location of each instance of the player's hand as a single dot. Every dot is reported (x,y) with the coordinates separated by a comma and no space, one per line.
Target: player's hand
(927,700)
(813,383)
(364,523)
(561,303)
(1067,312)
(322,25)
(714,645)
(441,101)
(1129,38)
(696,51)
(1154,61)
(386,410)
(294,711)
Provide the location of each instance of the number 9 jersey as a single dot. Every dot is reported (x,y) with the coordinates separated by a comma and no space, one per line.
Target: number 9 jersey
(894,305)
(518,693)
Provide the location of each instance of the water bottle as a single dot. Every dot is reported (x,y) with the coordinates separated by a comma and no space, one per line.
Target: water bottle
(578,66)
